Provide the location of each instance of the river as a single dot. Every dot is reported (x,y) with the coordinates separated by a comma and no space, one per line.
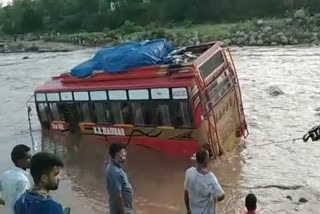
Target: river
(279,174)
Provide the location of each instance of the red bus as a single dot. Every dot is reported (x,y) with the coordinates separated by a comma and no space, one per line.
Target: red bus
(172,108)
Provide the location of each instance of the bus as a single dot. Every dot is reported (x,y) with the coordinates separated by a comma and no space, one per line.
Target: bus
(173,108)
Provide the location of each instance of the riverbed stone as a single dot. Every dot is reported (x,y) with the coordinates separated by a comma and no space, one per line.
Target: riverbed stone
(260,42)
(300,14)
(260,22)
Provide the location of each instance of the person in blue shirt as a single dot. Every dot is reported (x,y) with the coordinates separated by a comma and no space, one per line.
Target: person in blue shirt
(118,186)
(45,169)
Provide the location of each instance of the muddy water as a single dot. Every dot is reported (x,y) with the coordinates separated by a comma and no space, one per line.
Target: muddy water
(279,174)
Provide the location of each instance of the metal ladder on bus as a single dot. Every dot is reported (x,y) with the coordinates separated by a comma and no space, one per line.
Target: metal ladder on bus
(213,139)
(243,124)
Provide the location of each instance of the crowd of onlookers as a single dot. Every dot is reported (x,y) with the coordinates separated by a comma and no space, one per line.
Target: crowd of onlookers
(23,195)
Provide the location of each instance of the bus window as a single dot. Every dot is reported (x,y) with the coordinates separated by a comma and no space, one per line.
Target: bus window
(141,113)
(146,113)
(137,115)
(70,114)
(181,114)
(55,112)
(102,113)
(44,114)
(121,112)
(162,115)
(84,110)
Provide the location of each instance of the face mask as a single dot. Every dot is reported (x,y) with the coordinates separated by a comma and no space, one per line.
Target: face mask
(122,156)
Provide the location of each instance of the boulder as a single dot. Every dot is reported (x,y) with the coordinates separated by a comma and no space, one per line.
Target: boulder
(227,42)
(299,14)
(252,42)
(303,200)
(274,91)
(260,42)
(260,22)
(266,29)
(294,42)
(284,40)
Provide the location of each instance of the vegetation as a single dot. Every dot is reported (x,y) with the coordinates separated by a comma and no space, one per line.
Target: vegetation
(128,16)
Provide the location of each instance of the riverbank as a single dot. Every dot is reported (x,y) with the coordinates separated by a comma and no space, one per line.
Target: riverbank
(38,46)
(298,28)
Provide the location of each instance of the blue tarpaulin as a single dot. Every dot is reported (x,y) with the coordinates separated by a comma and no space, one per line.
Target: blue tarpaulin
(125,57)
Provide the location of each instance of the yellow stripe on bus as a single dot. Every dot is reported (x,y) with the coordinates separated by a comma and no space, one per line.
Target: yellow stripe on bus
(123,125)
(165,127)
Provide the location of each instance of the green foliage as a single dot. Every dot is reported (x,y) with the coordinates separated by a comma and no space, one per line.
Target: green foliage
(70,16)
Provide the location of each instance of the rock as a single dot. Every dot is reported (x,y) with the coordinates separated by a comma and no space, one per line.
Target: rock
(284,40)
(289,21)
(289,197)
(280,34)
(25,57)
(260,36)
(273,38)
(266,29)
(315,29)
(299,14)
(238,34)
(32,49)
(274,44)
(251,33)
(246,37)
(254,35)
(260,22)
(240,41)
(267,40)
(227,42)
(315,43)
(252,42)
(260,42)
(303,200)
(275,91)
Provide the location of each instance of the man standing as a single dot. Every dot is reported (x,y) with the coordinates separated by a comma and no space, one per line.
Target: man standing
(45,169)
(202,188)
(14,182)
(118,186)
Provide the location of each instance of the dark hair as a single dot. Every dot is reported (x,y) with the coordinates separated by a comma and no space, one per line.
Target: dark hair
(42,163)
(208,148)
(115,148)
(251,202)
(201,155)
(19,153)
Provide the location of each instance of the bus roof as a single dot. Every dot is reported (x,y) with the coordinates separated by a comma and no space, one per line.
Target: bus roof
(172,75)
(102,81)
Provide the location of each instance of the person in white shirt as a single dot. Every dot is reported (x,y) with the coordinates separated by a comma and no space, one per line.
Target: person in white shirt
(14,182)
(202,188)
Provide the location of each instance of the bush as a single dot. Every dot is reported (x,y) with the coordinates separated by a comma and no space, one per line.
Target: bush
(129,27)
(158,33)
(187,23)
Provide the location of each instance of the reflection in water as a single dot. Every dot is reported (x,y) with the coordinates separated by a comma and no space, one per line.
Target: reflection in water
(157,179)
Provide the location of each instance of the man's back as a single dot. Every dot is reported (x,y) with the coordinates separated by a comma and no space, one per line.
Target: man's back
(203,189)
(13,184)
(33,203)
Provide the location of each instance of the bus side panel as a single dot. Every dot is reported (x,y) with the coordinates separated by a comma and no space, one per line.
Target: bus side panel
(227,120)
